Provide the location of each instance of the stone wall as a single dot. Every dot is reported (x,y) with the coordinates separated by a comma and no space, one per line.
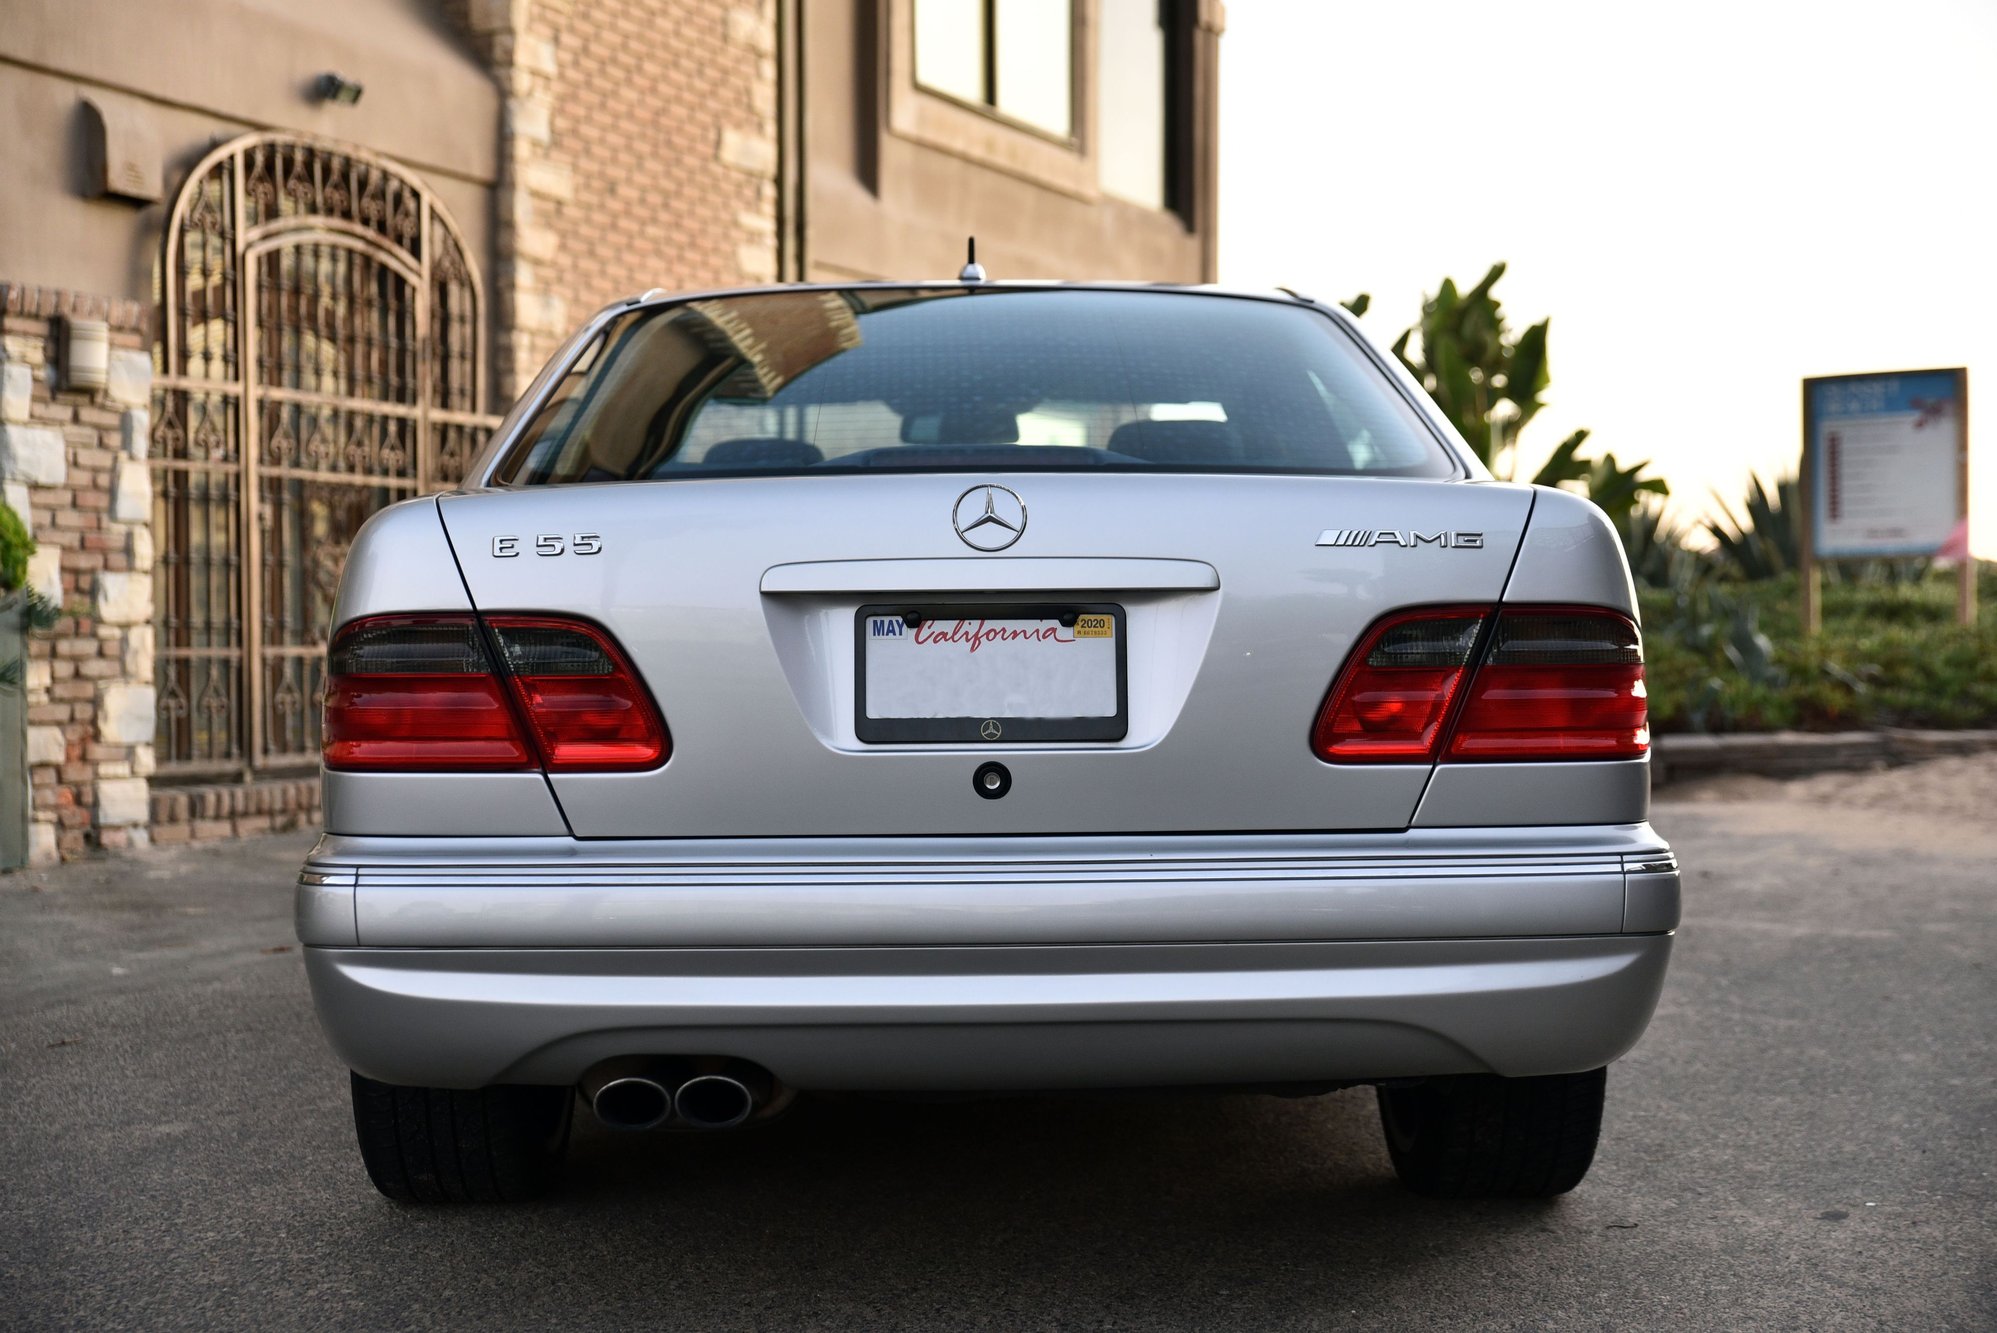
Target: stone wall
(72,462)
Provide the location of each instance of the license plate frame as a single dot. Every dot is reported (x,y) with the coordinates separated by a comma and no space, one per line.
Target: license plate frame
(973,730)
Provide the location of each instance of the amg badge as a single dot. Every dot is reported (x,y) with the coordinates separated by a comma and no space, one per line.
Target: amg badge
(1462,541)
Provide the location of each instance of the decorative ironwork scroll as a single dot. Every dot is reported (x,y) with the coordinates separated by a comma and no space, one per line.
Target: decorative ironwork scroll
(320,354)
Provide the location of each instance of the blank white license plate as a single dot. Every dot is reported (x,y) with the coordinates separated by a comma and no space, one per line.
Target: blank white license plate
(990,674)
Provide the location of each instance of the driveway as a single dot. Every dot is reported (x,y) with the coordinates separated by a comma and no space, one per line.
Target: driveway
(1805,1139)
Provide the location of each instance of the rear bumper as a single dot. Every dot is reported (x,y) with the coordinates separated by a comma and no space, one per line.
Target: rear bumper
(1028,963)
(993,1018)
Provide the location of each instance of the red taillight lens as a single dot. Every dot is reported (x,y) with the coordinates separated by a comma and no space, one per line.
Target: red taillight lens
(420,694)
(1390,704)
(588,711)
(409,693)
(1556,683)
(1553,683)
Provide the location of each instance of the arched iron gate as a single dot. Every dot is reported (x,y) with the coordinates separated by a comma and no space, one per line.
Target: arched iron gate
(320,355)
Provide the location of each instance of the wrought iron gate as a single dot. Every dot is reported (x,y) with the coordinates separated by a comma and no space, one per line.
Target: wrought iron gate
(320,355)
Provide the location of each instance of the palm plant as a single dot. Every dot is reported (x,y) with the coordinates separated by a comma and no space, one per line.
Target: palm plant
(1486,381)
(1491,383)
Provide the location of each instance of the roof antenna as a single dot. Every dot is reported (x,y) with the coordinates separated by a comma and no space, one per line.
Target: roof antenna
(973,271)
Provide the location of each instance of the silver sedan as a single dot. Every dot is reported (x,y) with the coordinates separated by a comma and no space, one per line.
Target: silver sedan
(969,688)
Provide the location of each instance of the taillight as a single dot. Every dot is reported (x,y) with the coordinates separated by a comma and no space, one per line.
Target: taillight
(421,694)
(1556,683)
(1390,704)
(1552,683)
(418,692)
(583,700)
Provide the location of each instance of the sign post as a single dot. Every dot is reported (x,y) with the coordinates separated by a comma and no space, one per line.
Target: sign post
(1886,473)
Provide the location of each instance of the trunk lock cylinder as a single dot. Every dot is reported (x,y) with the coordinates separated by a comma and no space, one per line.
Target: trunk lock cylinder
(991,781)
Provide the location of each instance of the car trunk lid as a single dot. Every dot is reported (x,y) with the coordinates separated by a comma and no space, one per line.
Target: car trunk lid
(737,600)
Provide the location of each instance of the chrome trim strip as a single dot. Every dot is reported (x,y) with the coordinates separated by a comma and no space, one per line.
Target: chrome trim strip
(992,574)
(715,893)
(817,873)
(323,906)
(1408,846)
(1651,893)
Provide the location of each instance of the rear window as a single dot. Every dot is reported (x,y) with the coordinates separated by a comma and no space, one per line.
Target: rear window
(955,379)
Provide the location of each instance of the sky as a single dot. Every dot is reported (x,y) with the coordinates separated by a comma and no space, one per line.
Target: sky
(1710,200)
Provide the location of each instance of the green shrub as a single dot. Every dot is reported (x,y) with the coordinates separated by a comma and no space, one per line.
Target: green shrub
(37,614)
(15,548)
(1732,657)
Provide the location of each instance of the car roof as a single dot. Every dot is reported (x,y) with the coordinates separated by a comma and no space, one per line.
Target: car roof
(661,296)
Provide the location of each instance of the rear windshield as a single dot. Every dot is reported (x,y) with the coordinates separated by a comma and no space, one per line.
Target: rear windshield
(951,379)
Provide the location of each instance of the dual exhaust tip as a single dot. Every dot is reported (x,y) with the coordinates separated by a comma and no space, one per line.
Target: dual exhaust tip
(651,1098)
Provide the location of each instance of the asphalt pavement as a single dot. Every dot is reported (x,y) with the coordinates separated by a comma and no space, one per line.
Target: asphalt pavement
(1803,1140)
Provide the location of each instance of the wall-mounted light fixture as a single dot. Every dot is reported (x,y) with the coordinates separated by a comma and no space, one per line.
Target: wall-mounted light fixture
(122,155)
(337,88)
(83,355)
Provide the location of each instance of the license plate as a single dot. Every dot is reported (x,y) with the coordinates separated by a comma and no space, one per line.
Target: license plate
(990,674)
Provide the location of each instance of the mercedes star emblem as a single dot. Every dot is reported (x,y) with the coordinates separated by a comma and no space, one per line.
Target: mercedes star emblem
(991,730)
(989,518)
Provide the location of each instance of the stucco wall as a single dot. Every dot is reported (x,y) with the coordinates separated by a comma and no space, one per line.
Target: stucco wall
(197,72)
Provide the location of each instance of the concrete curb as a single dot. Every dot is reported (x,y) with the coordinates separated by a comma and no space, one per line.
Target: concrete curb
(1793,753)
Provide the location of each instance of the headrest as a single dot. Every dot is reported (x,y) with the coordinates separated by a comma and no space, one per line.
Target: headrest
(762,451)
(1177,441)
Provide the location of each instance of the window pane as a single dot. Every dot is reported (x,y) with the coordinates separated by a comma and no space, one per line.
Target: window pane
(950,47)
(1130,106)
(1036,62)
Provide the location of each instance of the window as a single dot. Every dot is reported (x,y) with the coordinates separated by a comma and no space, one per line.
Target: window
(1131,99)
(1013,56)
(944,380)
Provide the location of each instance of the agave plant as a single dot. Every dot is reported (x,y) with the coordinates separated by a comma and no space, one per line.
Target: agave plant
(1763,541)
(1723,631)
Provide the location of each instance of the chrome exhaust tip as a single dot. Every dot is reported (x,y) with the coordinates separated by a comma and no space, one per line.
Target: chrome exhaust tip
(714,1101)
(632,1103)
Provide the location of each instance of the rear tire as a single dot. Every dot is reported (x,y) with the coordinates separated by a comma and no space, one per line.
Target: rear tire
(447,1145)
(1485,1137)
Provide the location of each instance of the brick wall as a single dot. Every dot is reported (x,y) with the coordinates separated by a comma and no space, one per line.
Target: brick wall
(233,809)
(640,151)
(73,465)
(665,112)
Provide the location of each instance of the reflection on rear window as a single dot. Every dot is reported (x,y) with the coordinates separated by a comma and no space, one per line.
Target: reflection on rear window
(970,380)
